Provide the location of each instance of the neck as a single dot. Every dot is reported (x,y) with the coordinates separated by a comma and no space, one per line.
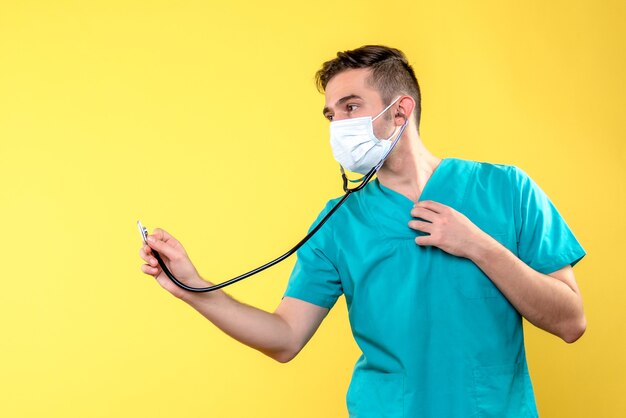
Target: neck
(409,166)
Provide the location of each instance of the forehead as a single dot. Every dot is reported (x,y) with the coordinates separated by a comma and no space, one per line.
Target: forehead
(350,82)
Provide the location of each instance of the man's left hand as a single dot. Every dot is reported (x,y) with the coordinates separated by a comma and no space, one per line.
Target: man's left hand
(447,228)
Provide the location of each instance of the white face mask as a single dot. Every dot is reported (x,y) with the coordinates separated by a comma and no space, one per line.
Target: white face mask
(354,144)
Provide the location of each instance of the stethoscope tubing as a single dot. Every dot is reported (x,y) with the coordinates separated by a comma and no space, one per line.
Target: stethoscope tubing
(364,180)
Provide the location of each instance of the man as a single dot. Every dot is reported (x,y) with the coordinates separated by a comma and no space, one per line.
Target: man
(438,261)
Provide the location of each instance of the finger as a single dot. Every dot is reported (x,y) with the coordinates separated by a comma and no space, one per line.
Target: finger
(150,256)
(152,271)
(162,247)
(147,257)
(431,205)
(425,240)
(421,226)
(147,251)
(424,214)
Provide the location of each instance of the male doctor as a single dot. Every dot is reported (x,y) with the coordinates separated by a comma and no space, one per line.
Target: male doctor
(438,259)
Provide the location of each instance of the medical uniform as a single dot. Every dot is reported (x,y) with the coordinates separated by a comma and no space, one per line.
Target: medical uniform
(438,339)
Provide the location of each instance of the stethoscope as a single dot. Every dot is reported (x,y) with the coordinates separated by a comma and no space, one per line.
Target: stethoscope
(348,191)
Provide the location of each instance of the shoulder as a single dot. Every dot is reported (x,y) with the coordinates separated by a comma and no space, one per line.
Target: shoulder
(340,209)
(489,168)
(489,172)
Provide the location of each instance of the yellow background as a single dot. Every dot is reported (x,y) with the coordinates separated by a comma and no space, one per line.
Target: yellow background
(202,118)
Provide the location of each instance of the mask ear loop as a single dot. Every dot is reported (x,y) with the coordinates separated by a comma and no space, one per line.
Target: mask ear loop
(386,109)
(393,145)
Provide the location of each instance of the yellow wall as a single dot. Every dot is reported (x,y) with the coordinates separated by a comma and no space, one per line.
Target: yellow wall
(202,118)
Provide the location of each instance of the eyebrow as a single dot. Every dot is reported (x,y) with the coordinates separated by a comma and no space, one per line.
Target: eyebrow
(341,101)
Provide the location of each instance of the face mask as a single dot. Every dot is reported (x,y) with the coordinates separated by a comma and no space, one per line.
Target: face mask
(354,144)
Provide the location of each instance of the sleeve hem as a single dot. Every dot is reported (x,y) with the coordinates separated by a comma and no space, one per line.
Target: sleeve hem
(324,302)
(571,259)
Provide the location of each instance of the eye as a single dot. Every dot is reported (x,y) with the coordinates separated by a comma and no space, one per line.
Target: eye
(351,107)
(329,117)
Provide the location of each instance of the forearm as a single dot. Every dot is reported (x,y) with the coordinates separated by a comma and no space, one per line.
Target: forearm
(546,302)
(269,333)
(261,330)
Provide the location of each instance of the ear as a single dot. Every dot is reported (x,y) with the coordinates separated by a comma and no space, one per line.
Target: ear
(404,110)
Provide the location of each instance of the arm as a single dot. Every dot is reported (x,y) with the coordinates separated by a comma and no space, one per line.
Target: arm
(551,302)
(280,335)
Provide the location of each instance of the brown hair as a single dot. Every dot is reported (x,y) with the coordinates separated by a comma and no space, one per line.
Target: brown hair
(391,72)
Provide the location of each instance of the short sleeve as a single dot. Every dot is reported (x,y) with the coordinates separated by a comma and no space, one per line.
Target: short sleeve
(544,240)
(315,278)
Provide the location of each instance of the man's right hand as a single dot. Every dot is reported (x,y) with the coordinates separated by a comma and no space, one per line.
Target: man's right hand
(176,260)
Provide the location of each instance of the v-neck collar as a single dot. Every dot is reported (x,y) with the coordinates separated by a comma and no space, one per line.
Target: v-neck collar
(394,195)
(390,210)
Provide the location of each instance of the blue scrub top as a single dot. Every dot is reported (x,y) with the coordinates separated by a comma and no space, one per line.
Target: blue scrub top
(438,339)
